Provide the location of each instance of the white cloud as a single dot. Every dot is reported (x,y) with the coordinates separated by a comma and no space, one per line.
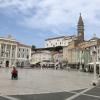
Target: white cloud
(50,14)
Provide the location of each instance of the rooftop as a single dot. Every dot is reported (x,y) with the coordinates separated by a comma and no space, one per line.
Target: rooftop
(65,37)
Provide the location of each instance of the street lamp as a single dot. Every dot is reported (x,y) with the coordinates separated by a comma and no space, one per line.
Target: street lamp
(95,80)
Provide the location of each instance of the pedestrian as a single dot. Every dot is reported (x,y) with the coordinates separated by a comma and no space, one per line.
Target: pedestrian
(57,64)
(14,73)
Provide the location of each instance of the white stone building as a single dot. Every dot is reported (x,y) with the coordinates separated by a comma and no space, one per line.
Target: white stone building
(38,56)
(13,52)
(95,47)
(58,57)
(58,41)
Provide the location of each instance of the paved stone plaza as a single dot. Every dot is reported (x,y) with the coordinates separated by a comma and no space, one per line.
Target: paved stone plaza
(47,84)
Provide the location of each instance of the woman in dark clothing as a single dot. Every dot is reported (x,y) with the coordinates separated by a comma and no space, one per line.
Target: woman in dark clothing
(14,73)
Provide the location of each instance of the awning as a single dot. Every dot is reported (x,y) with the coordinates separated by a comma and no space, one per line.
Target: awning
(93,63)
(33,62)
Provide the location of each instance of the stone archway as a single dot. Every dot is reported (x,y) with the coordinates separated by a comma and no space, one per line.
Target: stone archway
(7,63)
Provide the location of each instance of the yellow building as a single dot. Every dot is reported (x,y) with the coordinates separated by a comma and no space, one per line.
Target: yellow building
(71,51)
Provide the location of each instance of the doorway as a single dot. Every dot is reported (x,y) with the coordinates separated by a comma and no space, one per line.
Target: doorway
(7,63)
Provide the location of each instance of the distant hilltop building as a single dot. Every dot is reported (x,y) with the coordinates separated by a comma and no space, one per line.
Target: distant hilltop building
(13,52)
(58,41)
(65,40)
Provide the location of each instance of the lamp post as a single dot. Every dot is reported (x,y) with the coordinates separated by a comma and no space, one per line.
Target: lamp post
(95,80)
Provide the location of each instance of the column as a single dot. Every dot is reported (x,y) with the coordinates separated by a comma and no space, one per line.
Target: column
(80,60)
(95,81)
(5,51)
(16,51)
(29,54)
(11,56)
(5,55)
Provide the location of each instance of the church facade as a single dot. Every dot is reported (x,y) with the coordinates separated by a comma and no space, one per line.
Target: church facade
(70,52)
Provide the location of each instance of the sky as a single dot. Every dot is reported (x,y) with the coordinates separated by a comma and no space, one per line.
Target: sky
(32,21)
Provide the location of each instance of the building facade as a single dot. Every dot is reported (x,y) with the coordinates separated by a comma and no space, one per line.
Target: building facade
(71,53)
(40,55)
(23,55)
(13,52)
(58,41)
(87,48)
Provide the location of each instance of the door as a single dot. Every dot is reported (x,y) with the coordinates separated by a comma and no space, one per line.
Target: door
(7,63)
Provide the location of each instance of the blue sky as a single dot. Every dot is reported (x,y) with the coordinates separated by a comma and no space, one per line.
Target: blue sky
(33,21)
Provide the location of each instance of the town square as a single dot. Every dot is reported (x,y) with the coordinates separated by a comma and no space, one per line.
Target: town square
(43,82)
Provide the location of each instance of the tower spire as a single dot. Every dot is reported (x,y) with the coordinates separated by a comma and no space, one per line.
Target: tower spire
(80,21)
(80,28)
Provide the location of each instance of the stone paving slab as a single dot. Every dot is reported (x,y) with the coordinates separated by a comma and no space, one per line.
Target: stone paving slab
(2,98)
(95,91)
(92,94)
(84,97)
(77,91)
(46,96)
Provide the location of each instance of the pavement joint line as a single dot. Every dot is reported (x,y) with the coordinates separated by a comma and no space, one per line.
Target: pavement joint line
(78,94)
(72,92)
(10,98)
(92,95)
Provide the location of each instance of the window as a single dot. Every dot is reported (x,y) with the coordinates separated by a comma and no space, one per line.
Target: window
(98,50)
(12,55)
(1,46)
(98,58)
(95,47)
(27,56)
(7,55)
(23,55)
(8,46)
(19,49)
(14,47)
(19,55)
(2,53)
(23,50)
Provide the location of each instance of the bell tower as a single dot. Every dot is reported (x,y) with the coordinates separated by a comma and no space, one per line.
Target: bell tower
(80,29)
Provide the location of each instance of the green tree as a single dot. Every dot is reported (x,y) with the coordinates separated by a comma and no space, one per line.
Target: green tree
(33,47)
(58,48)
